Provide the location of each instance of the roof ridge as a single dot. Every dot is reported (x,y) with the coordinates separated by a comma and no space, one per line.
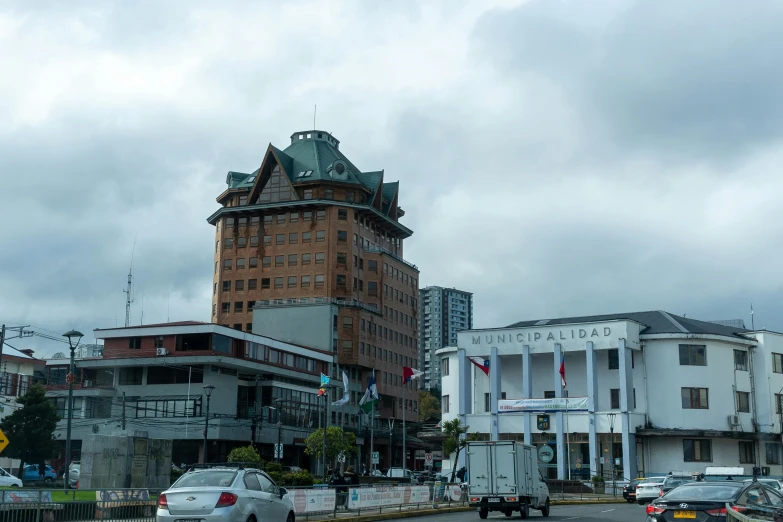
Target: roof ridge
(673,321)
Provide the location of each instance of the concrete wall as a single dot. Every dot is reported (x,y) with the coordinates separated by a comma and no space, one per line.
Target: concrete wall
(314,324)
(125,462)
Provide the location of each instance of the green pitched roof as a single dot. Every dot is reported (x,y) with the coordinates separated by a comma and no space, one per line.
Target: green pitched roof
(387,193)
(319,156)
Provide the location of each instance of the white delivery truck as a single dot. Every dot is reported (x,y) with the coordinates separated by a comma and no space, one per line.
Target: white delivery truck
(503,476)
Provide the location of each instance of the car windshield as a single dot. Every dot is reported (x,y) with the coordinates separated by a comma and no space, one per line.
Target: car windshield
(206,479)
(722,492)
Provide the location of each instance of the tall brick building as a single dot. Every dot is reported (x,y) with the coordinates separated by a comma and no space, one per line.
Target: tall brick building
(308,226)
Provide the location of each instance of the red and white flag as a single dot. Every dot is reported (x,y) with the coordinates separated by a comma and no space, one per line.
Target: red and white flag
(562,369)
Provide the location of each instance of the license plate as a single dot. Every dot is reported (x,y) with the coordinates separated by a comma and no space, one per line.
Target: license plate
(684,514)
(493,500)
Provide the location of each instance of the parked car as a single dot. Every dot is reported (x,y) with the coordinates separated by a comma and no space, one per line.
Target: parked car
(770,483)
(231,495)
(8,480)
(672,481)
(73,474)
(649,489)
(31,474)
(706,502)
(629,490)
(399,473)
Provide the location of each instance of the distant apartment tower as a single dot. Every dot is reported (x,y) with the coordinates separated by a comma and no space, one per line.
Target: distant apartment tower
(443,312)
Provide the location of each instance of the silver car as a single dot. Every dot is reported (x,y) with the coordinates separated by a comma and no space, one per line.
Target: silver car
(225,495)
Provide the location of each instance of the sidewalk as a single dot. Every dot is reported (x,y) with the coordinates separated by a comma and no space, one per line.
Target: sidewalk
(388,513)
(420,511)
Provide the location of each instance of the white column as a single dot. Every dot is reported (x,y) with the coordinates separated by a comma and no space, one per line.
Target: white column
(527,392)
(592,407)
(464,396)
(561,452)
(494,392)
(626,406)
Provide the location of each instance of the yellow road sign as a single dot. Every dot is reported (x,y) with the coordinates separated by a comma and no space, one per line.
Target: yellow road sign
(3,441)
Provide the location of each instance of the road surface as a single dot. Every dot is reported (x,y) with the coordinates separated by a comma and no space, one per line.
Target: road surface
(588,512)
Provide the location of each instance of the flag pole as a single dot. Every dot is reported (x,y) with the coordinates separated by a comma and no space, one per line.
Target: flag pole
(404,410)
(568,438)
(372,434)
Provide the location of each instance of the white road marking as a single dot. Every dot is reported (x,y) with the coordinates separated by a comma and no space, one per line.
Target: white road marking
(607,510)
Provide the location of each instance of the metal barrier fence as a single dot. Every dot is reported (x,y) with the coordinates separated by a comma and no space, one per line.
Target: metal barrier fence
(349,500)
(40,505)
(139,505)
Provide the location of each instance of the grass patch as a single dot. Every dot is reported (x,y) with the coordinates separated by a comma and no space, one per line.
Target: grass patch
(73,495)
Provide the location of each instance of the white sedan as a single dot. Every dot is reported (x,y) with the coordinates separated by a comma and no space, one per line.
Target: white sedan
(225,495)
(649,489)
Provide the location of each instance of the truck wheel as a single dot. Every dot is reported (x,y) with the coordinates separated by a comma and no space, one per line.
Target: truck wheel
(545,509)
(524,510)
(483,512)
(641,502)
(508,513)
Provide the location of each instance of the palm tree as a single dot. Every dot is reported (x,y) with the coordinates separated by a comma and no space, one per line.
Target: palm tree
(455,441)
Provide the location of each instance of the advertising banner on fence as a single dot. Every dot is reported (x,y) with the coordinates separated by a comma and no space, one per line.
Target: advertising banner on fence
(312,500)
(542,405)
(363,498)
(453,492)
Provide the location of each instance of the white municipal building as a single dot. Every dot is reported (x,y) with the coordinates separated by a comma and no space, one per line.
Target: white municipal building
(675,393)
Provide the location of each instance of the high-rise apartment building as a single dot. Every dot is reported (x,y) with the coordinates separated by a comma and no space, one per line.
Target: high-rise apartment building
(443,312)
(309,227)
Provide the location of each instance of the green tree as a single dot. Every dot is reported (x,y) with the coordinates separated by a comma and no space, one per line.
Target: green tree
(429,406)
(246,454)
(455,440)
(30,429)
(336,441)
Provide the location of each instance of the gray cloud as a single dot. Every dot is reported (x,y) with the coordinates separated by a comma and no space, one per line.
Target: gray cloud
(555,158)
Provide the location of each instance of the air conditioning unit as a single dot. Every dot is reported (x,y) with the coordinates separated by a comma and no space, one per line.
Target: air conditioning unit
(734,421)
(161,351)
(86,384)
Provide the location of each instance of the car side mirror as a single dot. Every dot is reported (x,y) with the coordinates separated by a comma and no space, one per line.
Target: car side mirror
(283,492)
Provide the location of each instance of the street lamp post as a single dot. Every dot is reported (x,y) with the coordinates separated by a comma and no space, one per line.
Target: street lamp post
(71,335)
(208,391)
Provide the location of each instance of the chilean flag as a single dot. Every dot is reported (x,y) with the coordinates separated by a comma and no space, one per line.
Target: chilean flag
(410,373)
(483,365)
(562,369)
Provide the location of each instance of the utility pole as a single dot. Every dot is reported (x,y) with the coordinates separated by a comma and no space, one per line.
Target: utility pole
(123,411)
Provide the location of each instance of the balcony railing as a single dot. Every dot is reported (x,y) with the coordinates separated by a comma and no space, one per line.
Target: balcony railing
(381,250)
(270,303)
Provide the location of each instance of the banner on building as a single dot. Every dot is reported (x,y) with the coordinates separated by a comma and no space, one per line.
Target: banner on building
(362,498)
(542,405)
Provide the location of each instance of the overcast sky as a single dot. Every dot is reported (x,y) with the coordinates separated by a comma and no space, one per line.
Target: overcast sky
(556,158)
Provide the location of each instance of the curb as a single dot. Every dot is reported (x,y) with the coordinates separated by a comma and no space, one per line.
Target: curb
(576,502)
(401,514)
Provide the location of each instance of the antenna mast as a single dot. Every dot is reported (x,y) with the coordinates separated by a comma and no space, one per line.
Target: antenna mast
(752,322)
(129,291)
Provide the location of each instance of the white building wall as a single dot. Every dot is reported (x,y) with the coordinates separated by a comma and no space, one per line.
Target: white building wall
(667,377)
(657,374)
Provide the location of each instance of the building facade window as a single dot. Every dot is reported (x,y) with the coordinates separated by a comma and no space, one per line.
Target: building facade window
(743,402)
(614,359)
(697,450)
(695,398)
(444,367)
(772,450)
(693,355)
(741,360)
(777,363)
(746,453)
(445,404)
(614,396)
